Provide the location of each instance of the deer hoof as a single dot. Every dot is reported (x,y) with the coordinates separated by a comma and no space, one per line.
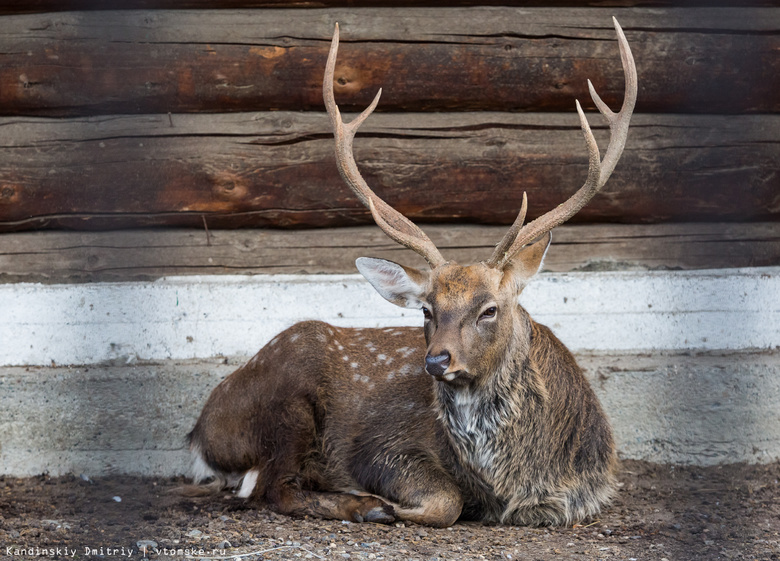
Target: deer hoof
(381,515)
(374,510)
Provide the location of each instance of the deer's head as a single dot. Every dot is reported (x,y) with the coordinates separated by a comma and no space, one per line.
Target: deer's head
(471,312)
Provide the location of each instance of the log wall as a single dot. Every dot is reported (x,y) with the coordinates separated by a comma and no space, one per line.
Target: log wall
(151,254)
(191,115)
(275,169)
(34,6)
(706,60)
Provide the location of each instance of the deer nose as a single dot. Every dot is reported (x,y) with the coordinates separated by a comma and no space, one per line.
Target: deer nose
(437,365)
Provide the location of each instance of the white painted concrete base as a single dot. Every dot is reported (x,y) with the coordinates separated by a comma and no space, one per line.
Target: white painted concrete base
(202,317)
(685,363)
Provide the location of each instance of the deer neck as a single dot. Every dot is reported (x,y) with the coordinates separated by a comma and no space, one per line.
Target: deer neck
(476,416)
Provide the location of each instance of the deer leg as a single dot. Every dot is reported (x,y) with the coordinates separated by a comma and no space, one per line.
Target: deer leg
(421,491)
(288,497)
(432,510)
(438,503)
(438,510)
(291,474)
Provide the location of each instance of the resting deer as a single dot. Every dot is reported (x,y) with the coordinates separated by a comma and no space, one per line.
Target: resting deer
(482,414)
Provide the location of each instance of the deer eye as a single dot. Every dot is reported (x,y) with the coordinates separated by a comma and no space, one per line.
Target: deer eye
(488,313)
(426,313)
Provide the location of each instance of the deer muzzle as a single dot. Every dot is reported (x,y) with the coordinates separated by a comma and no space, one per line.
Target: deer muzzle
(436,365)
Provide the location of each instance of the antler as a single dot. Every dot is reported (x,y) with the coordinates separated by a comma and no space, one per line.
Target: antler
(598,170)
(392,222)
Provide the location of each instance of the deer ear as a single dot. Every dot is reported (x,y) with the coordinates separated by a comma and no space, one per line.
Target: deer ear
(526,262)
(403,286)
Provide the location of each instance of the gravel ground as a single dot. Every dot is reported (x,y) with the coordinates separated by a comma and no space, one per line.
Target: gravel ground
(662,512)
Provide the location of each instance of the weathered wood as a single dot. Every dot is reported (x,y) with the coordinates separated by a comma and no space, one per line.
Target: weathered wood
(33,6)
(277,169)
(484,58)
(149,254)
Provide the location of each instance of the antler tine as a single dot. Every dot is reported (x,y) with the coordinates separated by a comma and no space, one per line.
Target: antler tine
(598,170)
(393,223)
(503,247)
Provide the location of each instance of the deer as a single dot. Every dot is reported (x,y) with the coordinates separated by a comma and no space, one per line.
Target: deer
(481,414)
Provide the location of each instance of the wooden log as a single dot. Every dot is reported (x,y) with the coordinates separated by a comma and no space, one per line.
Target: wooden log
(133,255)
(278,170)
(37,6)
(483,58)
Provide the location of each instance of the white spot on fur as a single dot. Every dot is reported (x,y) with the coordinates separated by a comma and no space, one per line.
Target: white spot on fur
(321,338)
(370,347)
(274,341)
(346,358)
(391,374)
(381,357)
(353,364)
(248,483)
(295,337)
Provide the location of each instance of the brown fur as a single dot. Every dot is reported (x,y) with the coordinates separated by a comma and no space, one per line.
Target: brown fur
(346,423)
(491,419)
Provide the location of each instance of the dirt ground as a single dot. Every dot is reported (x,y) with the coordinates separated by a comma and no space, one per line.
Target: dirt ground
(662,512)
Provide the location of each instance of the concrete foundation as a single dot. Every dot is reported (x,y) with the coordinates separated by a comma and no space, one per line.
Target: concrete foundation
(685,363)
(702,409)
